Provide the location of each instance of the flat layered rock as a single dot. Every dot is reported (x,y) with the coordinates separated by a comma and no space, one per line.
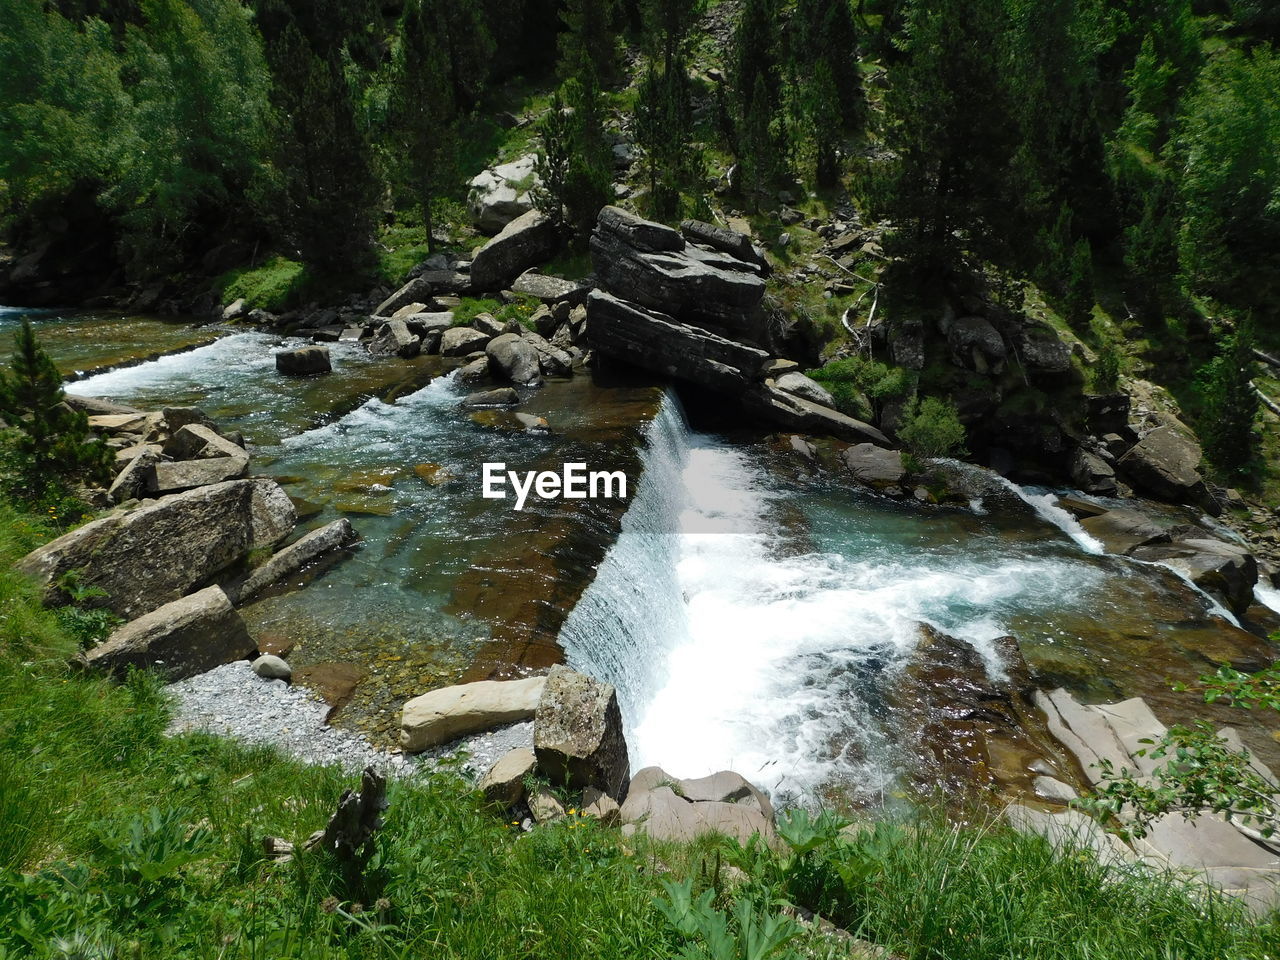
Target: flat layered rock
(663,345)
(667,808)
(525,242)
(804,416)
(1165,464)
(165,477)
(295,556)
(451,712)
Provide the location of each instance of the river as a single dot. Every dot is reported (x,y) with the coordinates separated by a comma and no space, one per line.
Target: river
(748,611)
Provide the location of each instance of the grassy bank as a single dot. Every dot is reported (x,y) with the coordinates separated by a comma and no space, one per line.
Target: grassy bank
(116,841)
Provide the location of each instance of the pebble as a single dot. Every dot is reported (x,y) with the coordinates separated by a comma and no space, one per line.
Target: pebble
(233,701)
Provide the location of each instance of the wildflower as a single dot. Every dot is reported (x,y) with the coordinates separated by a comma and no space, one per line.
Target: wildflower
(357,908)
(329,904)
(572,811)
(382,904)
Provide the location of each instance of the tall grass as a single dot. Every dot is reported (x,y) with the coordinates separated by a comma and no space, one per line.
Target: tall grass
(117,841)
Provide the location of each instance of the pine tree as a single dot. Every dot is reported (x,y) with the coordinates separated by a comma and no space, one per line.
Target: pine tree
(755,77)
(1230,404)
(325,185)
(422,111)
(824,54)
(53,445)
(573,164)
(587,44)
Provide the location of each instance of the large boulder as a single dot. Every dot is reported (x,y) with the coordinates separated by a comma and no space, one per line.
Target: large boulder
(180,639)
(294,557)
(976,345)
(451,712)
(511,358)
(131,482)
(304,361)
(874,466)
(658,343)
(417,290)
(1092,474)
(1042,350)
(552,361)
(1121,531)
(804,416)
(460,341)
(799,385)
(1165,464)
(500,194)
(681,810)
(549,289)
(525,242)
(172,477)
(154,554)
(394,339)
(651,265)
(577,733)
(195,441)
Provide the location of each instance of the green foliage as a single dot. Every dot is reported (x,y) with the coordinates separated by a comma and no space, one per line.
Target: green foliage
(573,163)
(755,57)
(1202,770)
(1229,402)
(664,113)
(853,381)
(1230,182)
(1079,297)
(1106,369)
(53,447)
(274,285)
(748,932)
(931,428)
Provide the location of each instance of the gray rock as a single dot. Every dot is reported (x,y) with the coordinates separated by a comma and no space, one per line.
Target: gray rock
(461,341)
(1092,474)
(131,482)
(1226,570)
(417,290)
(552,361)
(488,323)
(394,339)
(501,194)
(1164,464)
(803,416)
(525,242)
(577,733)
(596,803)
(475,372)
(303,361)
(682,810)
(1052,789)
(660,344)
(728,241)
(294,557)
(976,345)
(165,477)
(545,807)
(650,265)
(500,397)
(156,553)
(798,384)
(195,441)
(874,466)
(235,310)
(1121,531)
(175,418)
(450,712)
(548,289)
(270,667)
(512,358)
(180,639)
(1041,350)
(906,343)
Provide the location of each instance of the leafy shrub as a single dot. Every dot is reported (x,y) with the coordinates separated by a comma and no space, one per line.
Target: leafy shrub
(853,381)
(932,428)
(1106,370)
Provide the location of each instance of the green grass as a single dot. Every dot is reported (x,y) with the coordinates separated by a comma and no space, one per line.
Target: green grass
(274,285)
(116,841)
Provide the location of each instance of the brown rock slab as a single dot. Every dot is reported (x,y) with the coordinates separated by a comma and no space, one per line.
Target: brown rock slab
(451,712)
(504,783)
(577,733)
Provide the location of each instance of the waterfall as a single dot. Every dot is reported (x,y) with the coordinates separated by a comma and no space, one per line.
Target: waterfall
(735,642)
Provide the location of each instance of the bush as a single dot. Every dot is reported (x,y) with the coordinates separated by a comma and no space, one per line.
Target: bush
(853,381)
(932,428)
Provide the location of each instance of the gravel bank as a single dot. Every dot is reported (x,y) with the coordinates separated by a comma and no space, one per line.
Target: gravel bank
(233,701)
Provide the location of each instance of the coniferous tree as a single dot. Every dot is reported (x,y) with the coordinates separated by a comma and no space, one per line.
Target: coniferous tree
(947,120)
(53,445)
(1230,403)
(573,164)
(1080,294)
(588,45)
(824,55)
(422,111)
(756,80)
(664,115)
(324,181)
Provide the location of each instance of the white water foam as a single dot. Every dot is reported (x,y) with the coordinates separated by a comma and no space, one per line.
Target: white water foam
(1044,503)
(1266,595)
(237,357)
(733,647)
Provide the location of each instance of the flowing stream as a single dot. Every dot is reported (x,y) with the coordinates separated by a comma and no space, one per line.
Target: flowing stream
(749,612)
(750,619)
